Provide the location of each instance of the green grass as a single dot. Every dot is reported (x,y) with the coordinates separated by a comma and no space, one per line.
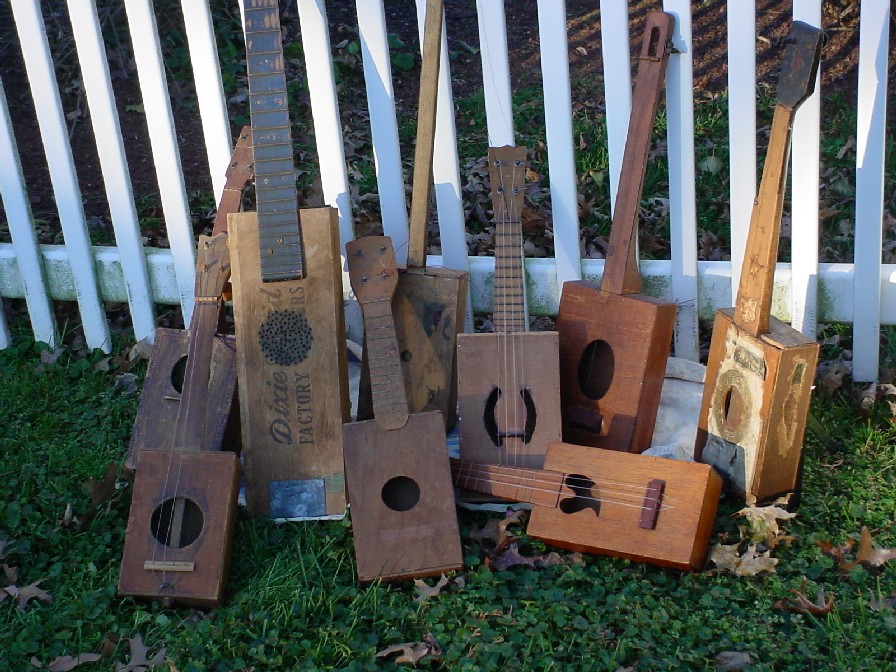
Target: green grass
(293,602)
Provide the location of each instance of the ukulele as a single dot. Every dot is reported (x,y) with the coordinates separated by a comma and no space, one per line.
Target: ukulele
(648,509)
(287,305)
(160,399)
(177,545)
(614,341)
(759,370)
(396,465)
(430,303)
(508,381)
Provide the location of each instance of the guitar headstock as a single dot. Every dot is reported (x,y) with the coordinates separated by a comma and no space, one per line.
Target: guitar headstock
(799,67)
(507,171)
(658,34)
(371,268)
(212,265)
(241,168)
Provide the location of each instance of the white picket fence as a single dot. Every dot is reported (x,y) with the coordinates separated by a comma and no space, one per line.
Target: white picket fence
(863,293)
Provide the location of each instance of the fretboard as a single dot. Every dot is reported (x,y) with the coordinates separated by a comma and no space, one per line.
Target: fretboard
(280,240)
(390,402)
(533,486)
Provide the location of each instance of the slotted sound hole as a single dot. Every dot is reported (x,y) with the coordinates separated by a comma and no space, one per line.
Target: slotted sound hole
(285,337)
(597,367)
(174,513)
(401,493)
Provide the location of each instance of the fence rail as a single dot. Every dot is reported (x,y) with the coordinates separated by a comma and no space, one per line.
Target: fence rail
(863,293)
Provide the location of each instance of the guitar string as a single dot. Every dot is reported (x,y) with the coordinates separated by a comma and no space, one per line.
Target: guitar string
(583,481)
(519,176)
(661,501)
(504,454)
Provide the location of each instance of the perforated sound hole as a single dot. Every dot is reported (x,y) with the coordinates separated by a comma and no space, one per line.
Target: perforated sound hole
(176,522)
(285,337)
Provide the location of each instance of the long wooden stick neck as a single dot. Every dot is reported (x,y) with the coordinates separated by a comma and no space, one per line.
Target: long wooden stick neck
(754,293)
(390,402)
(426,135)
(533,486)
(621,274)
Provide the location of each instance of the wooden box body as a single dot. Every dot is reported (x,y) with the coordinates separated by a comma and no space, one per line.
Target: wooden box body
(293,372)
(516,361)
(613,352)
(160,400)
(755,402)
(396,537)
(681,536)
(211,481)
(429,309)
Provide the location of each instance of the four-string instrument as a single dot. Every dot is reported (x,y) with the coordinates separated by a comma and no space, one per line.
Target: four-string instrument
(760,370)
(614,340)
(177,545)
(287,305)
(649,509)
(430,302)
(396,465)
(509,380)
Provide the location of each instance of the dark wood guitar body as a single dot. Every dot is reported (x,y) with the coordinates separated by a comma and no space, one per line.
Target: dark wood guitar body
(648,509)
(760,371)
(615,341)
(508,381)
(402,503)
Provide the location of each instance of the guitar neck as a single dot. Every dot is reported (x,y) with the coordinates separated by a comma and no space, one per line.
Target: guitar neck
(239,172)
(754,293)
(390,404)
(621,274)
(280,240)
(533,486)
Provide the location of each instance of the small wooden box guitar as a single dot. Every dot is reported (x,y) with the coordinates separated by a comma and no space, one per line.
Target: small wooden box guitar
(430,303)
(760,371)
(399,482)
(508,381)
(648,509)
(614,341)
(287,304)
(177,545)
(162,387)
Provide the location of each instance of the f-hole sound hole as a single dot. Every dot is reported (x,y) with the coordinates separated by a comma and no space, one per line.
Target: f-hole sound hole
(401,493)
(597,367)
(178,373)
(732,408)
(176,522)
(583,498)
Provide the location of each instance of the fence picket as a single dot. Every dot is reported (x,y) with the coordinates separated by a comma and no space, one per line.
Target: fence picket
(874,24)
(615,40)
(495,72)
(54,135)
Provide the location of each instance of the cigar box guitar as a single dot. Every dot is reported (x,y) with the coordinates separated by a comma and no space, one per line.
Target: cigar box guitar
(163,385)
(509,380)
(430,303)
(179,534)
(614,340)
(759,370)
(648,509)
(396,465)
(287,304)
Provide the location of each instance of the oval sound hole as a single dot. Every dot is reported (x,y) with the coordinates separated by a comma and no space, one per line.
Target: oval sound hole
(733,408)
(401,493)
(178,373)
(596,369)
(176,522)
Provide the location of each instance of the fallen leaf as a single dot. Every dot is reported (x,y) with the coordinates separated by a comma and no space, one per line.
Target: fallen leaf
(28,593)
(412,652)
(510,557)
(126,383)
(801,604)
(732,660)
(66,663)
(101,491)
(426,591)
(496,529)
(50,357)
(749,562)
(836,553)
(763,521)
(868,555)
(883,603)
(139,661)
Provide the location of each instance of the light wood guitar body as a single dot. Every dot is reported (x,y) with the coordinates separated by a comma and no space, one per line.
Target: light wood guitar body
(760,371)
(648,509)
(614,341)
(508,381)
(402,504)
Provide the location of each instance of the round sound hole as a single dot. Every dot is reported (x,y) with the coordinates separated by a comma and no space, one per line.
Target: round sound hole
(732,408)
(285,337)
(406,355)
(176,512)
(178,373)
(596,369)
(401,493)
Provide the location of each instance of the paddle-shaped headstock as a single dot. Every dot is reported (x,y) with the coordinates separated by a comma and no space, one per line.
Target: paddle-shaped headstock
(212,265)
(799,66)
(507,172)
(371,268)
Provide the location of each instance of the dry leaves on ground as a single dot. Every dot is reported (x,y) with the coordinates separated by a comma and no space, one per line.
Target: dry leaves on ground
(425,591)
(746,562)
(763,523)
(26,594)
(413,652)
(868,556)
(140,660)
(66,663)
(802,604)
